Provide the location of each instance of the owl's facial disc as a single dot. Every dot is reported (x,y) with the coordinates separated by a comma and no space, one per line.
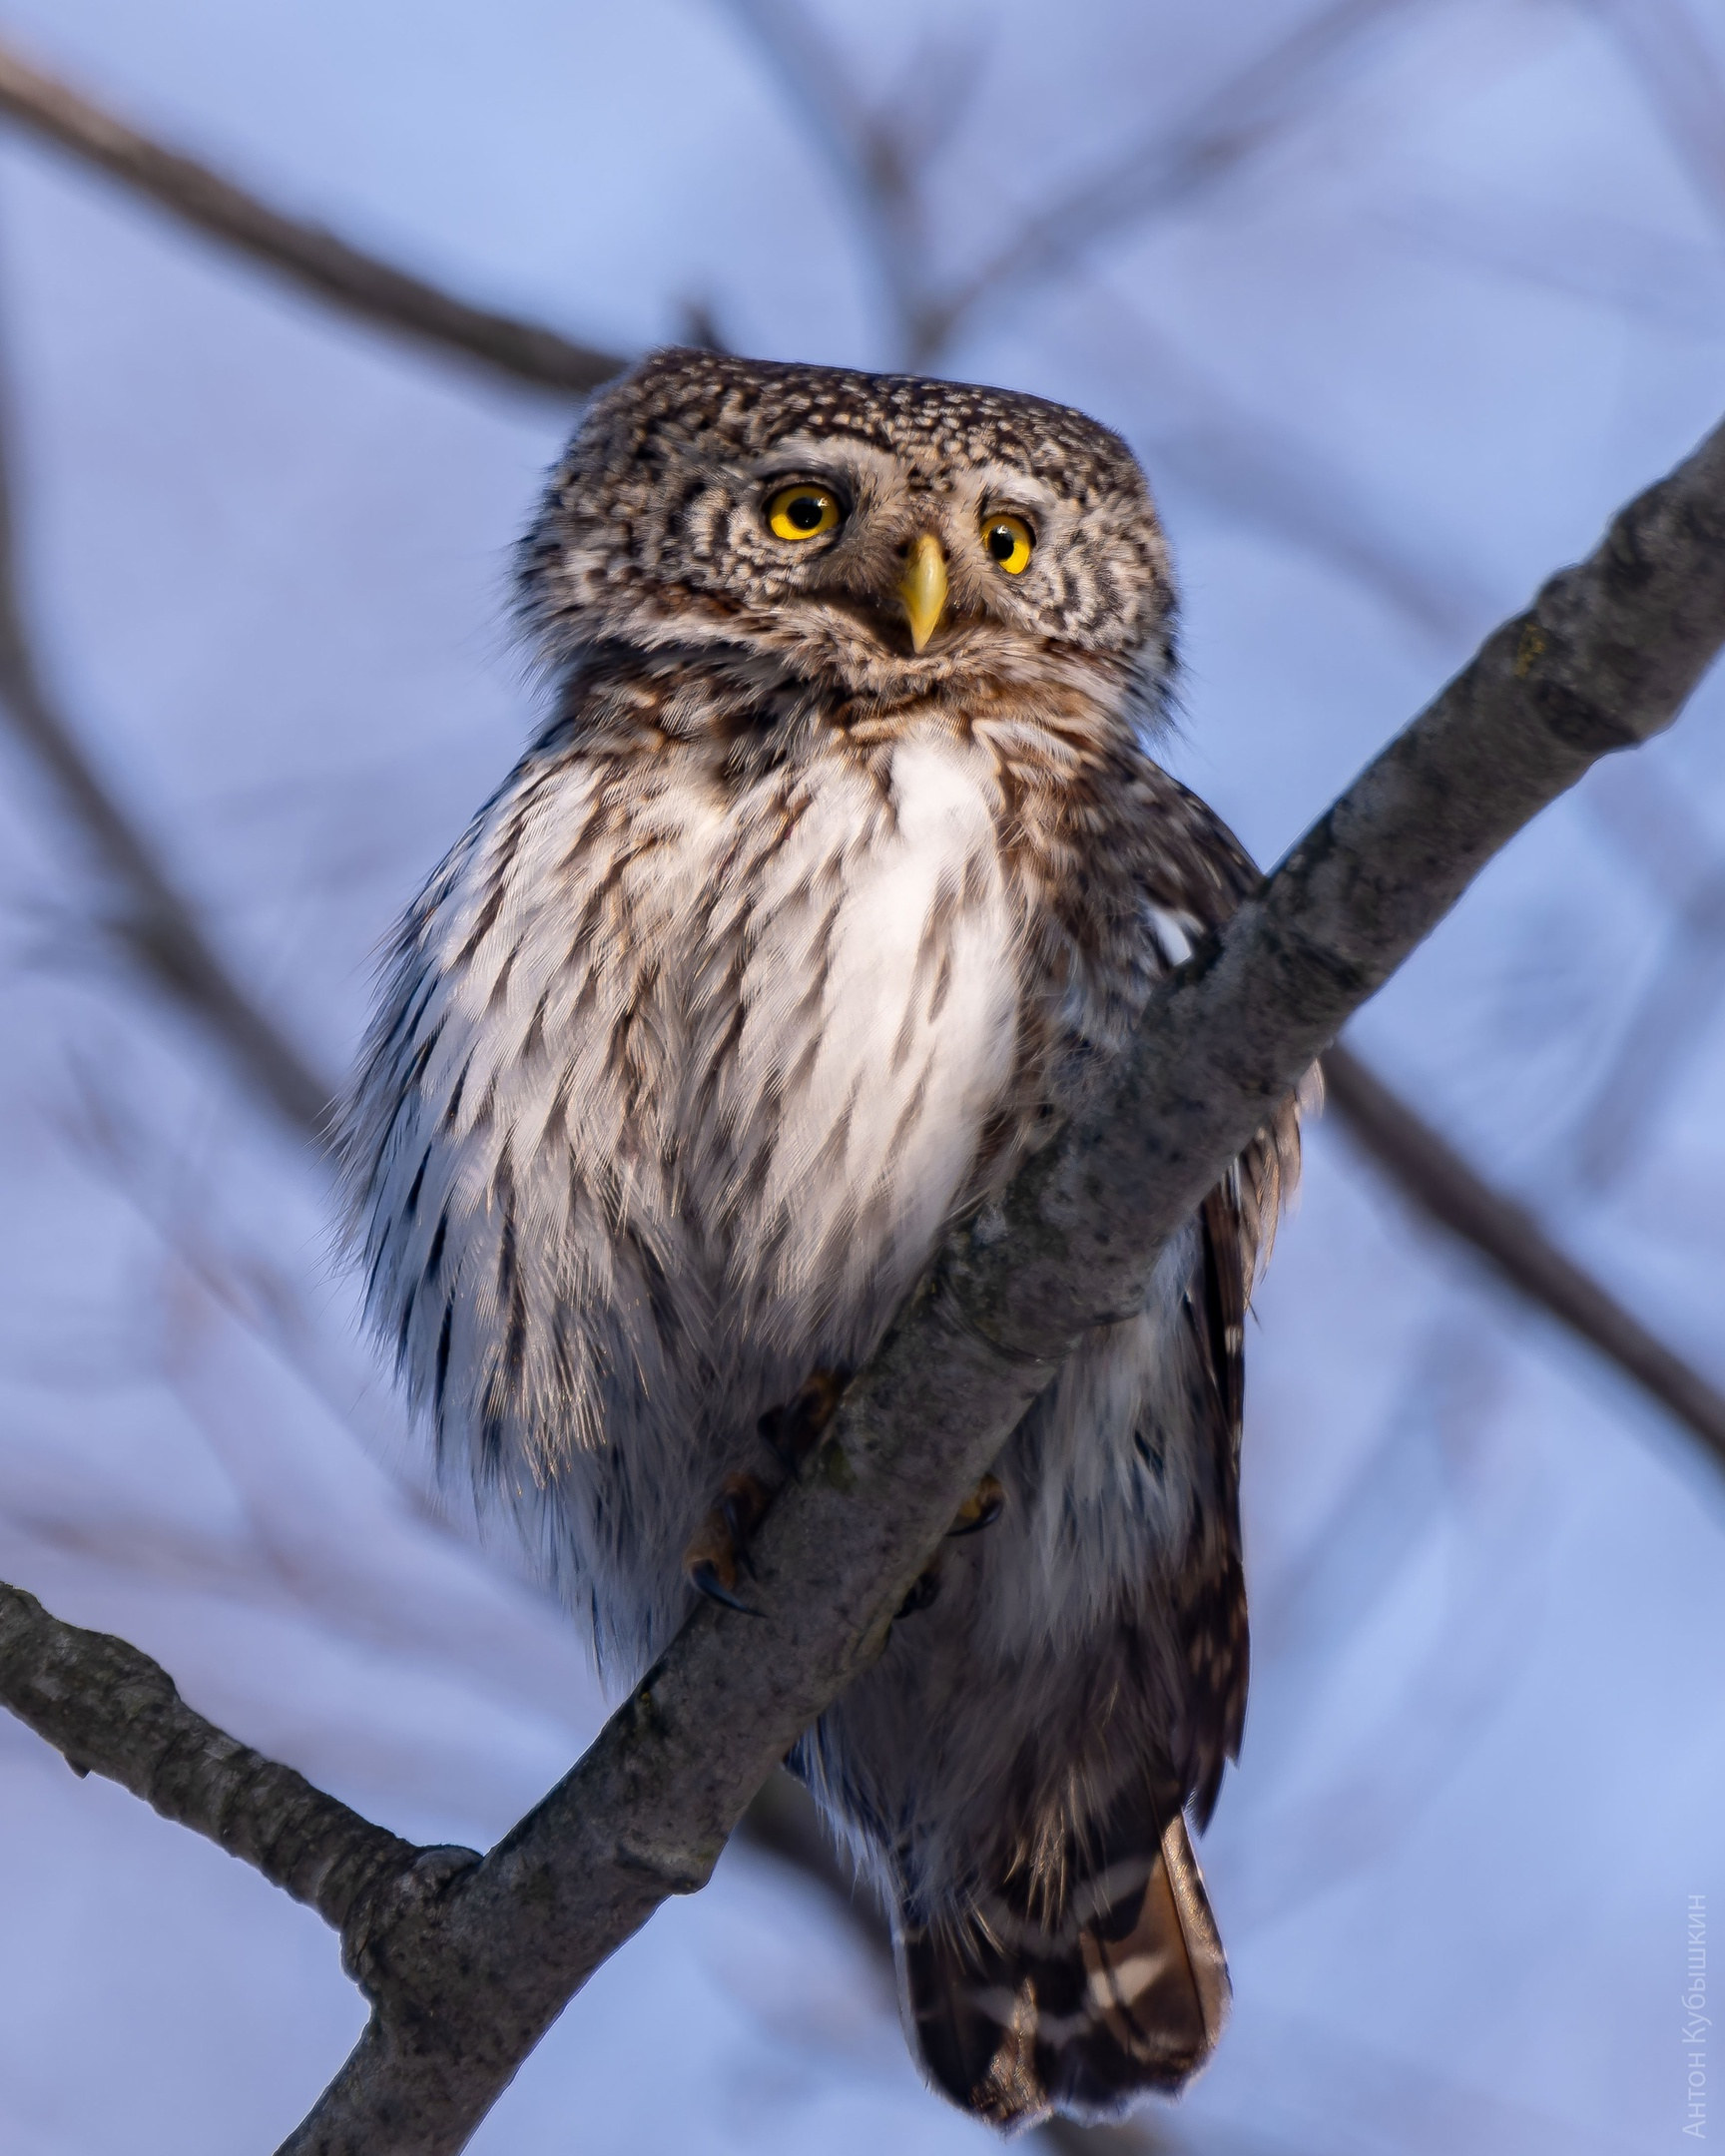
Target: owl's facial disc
(875,536)
(923,588)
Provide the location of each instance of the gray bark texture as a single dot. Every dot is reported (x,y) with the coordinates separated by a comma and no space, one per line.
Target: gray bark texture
(467,1962)
(112,1711)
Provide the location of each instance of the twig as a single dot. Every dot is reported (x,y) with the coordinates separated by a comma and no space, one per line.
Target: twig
(464,1985)
(1659,830)
(1434,1175)
(374,290)
(1164,171)
(151,920)
(860,155)
(1160,171)
(112,1711)
(1430,1170)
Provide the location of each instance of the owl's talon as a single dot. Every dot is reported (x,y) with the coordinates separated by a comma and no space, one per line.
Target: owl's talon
(703,1578)
(980,1510)
(924,1589)
(720,1549)
(795,1430)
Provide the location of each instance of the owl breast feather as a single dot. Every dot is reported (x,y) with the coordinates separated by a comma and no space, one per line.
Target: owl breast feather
(675,1090)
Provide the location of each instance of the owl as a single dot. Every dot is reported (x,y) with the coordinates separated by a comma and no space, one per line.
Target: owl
(837,874)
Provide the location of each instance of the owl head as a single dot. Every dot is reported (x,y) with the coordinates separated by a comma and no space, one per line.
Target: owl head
(882,536)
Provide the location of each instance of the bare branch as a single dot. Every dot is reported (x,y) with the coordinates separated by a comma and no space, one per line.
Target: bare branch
(465,1983)
(112,1711)
(1268,477)
(865,160)
(878,164)
(1426,1167)
(1166,169)
(1657,830)
(151,920)
(376,292)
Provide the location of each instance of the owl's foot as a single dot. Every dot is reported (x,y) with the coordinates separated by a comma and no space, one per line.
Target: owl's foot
(720,1550)
(793,1430)
(980,1510)
(924,1589)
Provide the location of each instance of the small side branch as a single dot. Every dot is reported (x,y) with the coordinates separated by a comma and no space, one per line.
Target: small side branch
(1431,1172)
(111,1711)
(317,259)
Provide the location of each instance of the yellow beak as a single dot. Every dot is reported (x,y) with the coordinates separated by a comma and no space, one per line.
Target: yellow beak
(923,588)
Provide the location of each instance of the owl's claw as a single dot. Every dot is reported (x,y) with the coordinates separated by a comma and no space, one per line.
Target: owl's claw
(720,1549)
(924,1589)
(703,1578)
(795,1430)
(980,1510)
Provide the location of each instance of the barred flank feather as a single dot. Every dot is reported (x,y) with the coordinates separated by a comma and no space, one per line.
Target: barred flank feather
(1129,1995)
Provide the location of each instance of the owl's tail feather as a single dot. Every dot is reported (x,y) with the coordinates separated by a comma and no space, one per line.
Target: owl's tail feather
(1128,1994)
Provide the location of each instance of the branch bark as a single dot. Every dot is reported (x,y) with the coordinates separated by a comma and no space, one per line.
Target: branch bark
(112,1711)
(374,290)
(465,1983)
(1426,1168)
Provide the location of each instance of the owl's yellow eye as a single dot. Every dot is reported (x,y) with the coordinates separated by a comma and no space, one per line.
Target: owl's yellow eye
(802,512)
(1008,541)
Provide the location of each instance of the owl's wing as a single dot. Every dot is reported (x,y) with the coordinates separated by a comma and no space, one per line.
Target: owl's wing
(1201,874)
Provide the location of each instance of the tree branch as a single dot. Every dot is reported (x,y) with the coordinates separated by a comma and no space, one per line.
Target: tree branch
(1426,1168)
(374,290)
(112,1711)
(1162,172)
(465,1982)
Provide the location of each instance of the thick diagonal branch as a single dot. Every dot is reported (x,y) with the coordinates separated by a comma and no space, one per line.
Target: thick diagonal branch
(1604,659)
(376,291)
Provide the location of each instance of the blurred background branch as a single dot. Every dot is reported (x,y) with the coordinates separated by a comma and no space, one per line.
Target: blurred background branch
(147,919)
(376,291)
